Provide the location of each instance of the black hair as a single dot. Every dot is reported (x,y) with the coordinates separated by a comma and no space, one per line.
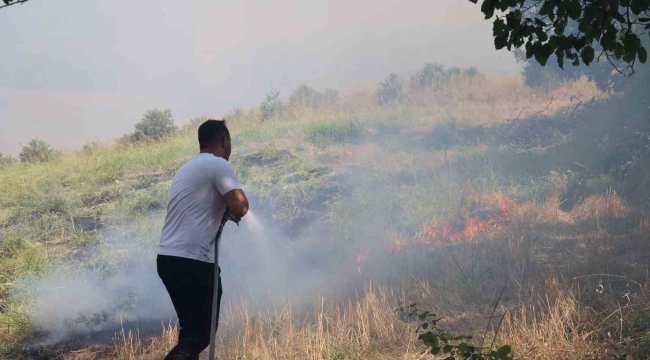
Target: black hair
(211,132)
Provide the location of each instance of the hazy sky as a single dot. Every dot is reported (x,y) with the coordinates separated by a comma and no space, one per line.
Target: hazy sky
(76,71)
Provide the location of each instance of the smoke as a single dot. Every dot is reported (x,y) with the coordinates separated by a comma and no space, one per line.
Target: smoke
(115,284)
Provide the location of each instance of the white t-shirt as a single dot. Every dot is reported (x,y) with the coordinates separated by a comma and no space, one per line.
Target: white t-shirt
(196,207)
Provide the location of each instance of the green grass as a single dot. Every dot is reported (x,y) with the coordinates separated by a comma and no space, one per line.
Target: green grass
(324,134)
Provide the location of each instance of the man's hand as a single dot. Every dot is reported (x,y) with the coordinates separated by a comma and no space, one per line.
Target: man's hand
(234,219)
(237,204)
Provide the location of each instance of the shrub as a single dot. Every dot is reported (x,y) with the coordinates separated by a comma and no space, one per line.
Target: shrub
(271,107)
(330,96)
(432,75)
(235,113)
(36,150)
(451,346)
(193,125)
(6,160)
(391,90)
(155,125)
(91,147)
(435,76)
(305,96)
(125,139)
(472,71)
(326,133)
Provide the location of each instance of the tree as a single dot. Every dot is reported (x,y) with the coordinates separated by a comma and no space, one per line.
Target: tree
(12,2)
(36,150)
(576,30)
(391,90)
(272,106)
(304,96)
(155,125)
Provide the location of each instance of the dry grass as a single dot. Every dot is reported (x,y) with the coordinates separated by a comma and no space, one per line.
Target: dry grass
(552,329)
(365,328)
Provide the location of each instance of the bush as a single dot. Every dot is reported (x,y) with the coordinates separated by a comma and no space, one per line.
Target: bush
(323,134)
(155,125)
(91,147)
(472,71)
(6,160)
(439,342)
(235,113)
(36,150)
(271,107)
(391,90)
(193,125)
(330,96)
(304,96)
(435,76)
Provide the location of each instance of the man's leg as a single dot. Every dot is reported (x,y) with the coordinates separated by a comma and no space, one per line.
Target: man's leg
(190,284)
(181,280)
(203,314)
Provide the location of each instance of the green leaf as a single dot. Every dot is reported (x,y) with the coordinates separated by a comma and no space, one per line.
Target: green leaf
(547,8)
(560,25)
(574,9)
(618,51)
(639,6)
(488,8)
(446,337)
(504,350)
(587,55)
(529,50)
(643,55)
(629,56)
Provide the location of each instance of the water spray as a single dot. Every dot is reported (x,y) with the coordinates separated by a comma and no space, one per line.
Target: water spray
(215,293)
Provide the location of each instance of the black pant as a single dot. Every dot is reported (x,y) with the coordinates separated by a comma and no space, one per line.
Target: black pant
(190,284)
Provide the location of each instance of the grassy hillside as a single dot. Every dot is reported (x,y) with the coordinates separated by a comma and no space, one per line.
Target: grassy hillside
(443,199)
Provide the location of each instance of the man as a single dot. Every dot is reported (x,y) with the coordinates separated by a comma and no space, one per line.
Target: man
(201,190)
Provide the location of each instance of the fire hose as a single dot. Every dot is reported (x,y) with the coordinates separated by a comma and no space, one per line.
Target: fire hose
(215,293)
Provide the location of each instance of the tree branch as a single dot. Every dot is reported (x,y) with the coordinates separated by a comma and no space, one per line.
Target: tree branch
(14,3)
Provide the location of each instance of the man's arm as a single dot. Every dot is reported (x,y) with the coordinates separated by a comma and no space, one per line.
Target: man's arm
(237,203)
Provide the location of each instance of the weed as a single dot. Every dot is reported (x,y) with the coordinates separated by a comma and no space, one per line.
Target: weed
(439,342)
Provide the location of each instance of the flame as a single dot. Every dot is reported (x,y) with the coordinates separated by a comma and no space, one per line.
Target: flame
(397,243)
(362,254)
(484,214)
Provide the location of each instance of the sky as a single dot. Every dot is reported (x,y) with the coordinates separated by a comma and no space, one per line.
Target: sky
(80,71)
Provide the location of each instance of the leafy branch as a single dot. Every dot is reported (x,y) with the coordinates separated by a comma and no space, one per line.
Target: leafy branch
(453,346)
(12,2)
(540,26)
